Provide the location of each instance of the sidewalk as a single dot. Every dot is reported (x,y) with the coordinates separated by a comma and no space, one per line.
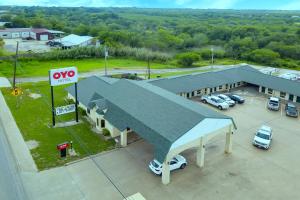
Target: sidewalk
(15,139)
(80,180)
(4,82)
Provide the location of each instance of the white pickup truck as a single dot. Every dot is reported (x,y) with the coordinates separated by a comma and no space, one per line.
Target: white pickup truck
(215,101)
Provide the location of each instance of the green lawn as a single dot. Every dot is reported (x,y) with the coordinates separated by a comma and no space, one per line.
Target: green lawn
(33,117)
(162,75)
(41,68)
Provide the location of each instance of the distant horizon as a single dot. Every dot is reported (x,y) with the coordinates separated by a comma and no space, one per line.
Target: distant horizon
(166,8)
(292,5)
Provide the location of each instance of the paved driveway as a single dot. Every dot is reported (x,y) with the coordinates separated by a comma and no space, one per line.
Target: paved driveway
(248,173)
(11,187)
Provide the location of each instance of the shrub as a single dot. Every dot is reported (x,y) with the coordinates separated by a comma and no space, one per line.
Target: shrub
(82,111)
(206,54)
(105,132)
(264,56)
(187,59)
(98,52)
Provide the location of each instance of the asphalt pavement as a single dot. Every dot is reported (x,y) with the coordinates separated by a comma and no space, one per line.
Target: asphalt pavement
(11,187)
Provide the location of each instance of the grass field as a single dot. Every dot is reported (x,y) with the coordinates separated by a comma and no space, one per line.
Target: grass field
(33,117)
(41,68)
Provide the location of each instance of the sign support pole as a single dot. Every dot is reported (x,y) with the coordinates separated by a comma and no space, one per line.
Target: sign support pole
(76,102)
(53,109)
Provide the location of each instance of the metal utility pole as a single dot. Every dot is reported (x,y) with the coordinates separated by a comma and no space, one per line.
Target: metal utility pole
(212,55)
(105,55)
(15,66)
(148,67)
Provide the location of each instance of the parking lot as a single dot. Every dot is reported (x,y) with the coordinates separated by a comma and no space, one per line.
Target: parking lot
(247,173)
(26,45)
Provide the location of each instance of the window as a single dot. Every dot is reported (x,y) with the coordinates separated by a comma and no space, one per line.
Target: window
(193,94)
(97,121)
(102,123)
(88,111)
(282,94)
(220,87)
(226,86)
(263,89)
(215,89)
(298,99)
(198,91)
(172,162)
(270,91)
(211,90)
(239,83)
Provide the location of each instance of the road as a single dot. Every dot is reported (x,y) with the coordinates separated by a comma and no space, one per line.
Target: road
(11,187)
(131,71)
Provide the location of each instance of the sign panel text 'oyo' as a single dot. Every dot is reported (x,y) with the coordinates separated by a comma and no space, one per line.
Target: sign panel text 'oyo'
(63,76)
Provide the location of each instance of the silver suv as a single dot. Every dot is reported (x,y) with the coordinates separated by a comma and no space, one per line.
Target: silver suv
(274,103)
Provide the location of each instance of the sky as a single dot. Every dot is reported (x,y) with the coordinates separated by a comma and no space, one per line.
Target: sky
(202,4)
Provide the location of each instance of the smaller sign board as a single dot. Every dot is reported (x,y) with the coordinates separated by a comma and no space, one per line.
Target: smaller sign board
(63,76)
(65,109)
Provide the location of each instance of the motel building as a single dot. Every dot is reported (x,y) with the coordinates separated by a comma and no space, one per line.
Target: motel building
(199,84)
(158,113)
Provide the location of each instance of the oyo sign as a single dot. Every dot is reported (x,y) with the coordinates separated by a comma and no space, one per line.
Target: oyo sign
(63,76)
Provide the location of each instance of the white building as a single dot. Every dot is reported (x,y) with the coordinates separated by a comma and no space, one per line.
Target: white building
(34,33)
(75,41)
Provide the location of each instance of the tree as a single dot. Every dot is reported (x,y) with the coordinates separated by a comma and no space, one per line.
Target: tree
(187,59)
(19,22)
(264,56)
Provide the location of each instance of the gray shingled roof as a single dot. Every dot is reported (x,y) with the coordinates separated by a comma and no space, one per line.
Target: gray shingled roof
(157,115)
(193,82)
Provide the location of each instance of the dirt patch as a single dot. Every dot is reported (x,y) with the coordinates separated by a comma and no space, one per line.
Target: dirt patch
(35,95)
(32,144)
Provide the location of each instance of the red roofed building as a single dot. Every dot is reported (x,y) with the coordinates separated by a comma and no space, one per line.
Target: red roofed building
(34,33)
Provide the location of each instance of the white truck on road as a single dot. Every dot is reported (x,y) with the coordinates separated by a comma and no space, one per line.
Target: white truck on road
(215,101)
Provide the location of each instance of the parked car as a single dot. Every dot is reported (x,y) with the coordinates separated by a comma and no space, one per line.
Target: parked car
(215,101)
(229,101)
(236,98)
(263,137)
(52,43)
(178,162)
(274,103)
(291,110)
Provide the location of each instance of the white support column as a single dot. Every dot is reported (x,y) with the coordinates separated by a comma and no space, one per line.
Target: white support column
(123,138)
(228,145)
(201,152)
(165,178)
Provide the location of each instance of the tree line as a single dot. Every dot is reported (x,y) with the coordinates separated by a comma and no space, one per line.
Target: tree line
(265,37)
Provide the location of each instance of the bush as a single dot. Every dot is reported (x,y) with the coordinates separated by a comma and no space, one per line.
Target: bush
(98,52)
(105,132)
(206,54)
(187,59)
(264,56)
(82,111)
